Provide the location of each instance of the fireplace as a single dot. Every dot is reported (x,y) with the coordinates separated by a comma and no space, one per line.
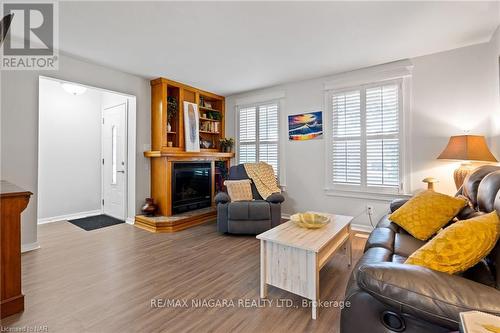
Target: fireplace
(191,186)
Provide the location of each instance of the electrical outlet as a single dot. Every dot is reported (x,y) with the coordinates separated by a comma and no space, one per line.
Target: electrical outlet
(369,210)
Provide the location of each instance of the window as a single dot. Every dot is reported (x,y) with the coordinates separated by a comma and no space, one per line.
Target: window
(366,138)
(258,134)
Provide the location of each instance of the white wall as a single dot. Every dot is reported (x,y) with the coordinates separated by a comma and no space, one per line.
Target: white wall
(495,60)
(69,149)
(452,91)
(19,126)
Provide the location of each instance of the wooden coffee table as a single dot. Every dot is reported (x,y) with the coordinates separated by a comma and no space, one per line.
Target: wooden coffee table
(291,257)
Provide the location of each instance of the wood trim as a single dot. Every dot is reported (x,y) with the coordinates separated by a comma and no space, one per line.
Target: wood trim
(13,200)
(200,155)
(163,80)
(157,225)
(12,305)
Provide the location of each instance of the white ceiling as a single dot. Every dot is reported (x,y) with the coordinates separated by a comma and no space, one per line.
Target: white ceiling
(230,47)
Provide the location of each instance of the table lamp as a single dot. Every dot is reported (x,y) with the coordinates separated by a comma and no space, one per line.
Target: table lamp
(466,148)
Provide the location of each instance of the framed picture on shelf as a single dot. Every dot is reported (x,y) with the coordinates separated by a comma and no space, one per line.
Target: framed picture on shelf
(207,104)
(191,127)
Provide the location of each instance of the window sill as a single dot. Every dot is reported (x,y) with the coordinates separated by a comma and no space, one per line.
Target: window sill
(388,197)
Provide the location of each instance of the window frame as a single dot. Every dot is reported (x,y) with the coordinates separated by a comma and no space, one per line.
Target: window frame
(364,190)
(256,105)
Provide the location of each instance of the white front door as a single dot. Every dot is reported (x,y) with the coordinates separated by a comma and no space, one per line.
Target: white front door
(114,167)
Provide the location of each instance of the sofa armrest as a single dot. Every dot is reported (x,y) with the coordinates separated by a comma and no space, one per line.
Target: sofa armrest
(427,294)
(275,198)
(222,198)
(397,203)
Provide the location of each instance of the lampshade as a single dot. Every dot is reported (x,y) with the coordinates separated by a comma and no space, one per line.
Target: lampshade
(468,148)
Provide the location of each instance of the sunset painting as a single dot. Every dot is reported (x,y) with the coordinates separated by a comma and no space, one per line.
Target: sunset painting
(305,126)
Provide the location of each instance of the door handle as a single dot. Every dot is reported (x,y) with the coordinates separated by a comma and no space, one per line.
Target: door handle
(121,171)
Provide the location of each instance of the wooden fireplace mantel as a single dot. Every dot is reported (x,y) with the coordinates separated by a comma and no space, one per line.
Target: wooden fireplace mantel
(215,155)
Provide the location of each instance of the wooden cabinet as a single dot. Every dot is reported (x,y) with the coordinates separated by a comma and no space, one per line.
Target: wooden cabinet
(167,119)
(167,148)
(13,200)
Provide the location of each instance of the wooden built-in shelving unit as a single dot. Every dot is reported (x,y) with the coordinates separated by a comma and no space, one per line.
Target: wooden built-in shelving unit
(167,147)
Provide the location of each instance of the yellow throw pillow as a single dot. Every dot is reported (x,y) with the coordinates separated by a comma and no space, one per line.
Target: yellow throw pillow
(427,212)
(460,246)
(239,190)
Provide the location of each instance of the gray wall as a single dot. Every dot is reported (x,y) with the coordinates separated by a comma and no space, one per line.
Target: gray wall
(19,126)
(452,91)
(69,149)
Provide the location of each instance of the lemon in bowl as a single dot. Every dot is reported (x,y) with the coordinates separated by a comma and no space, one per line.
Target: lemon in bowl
(310,220)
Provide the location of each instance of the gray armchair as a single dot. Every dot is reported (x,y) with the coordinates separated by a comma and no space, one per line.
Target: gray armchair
(247,217)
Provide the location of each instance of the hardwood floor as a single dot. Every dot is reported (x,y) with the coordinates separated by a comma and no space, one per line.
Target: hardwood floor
(104,281)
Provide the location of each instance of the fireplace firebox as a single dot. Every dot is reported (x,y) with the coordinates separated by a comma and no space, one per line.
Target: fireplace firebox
(191,186)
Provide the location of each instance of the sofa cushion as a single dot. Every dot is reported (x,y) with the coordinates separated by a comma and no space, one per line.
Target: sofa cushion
(405,245)
(381,237)
(386,223)
(239,190)
(398,259)
(460,246)
(427,212)
(249,210)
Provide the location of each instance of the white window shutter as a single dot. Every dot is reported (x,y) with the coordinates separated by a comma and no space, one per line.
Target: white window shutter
(366,137)
(382,132)
(347,138)
(259,134)
(268,135)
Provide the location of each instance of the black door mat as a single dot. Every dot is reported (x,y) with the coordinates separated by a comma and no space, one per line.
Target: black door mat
(95,222)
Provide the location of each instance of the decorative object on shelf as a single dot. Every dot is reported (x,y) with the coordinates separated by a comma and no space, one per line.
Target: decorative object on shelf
(191,127)
(216,115)
(227,144)
(466,148)
(207,104)
(172,107)
(430,182)
(149,208)
(205,144)
(202,101)
(310,220)
(170,144)
(305,126)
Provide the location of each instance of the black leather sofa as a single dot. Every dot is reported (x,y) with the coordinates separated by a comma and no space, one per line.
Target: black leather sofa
(386,295)
(247,217)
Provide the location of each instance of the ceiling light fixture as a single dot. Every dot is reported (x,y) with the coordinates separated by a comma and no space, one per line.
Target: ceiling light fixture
(73,89)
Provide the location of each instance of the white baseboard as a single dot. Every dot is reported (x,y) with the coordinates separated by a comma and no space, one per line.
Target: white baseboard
(29,247)
(361,227)
(130,220)
(69,216)
(285,216)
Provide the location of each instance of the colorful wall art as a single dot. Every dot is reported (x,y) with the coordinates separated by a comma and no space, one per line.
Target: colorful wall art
(305,126)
